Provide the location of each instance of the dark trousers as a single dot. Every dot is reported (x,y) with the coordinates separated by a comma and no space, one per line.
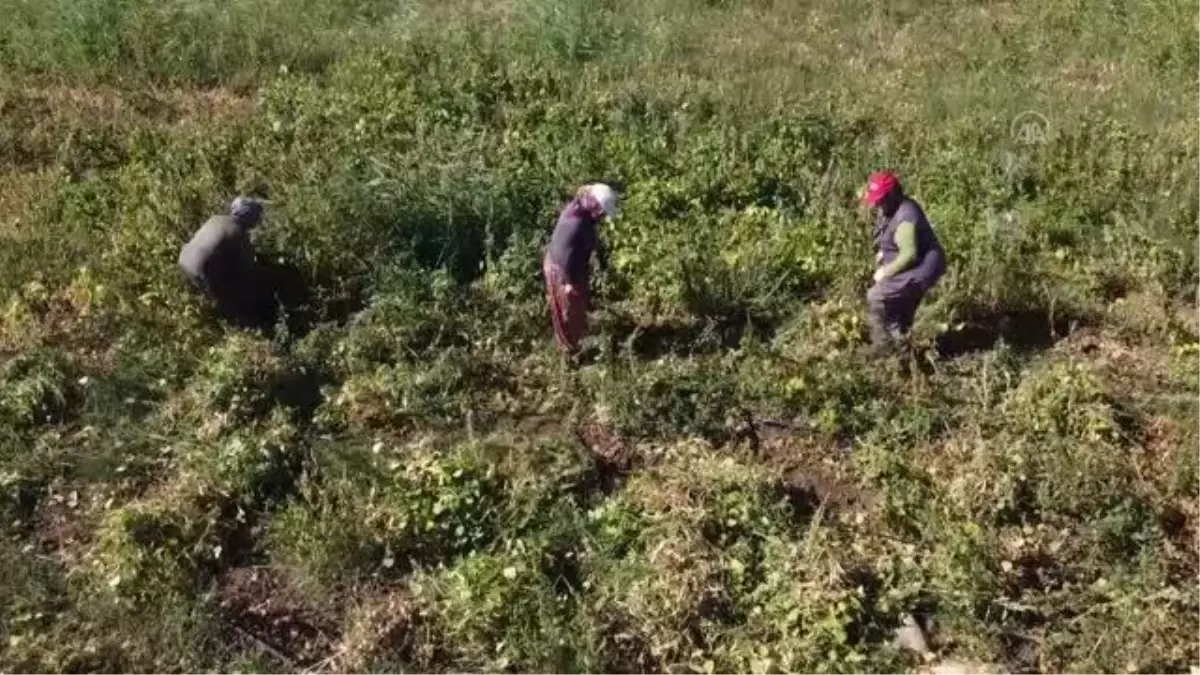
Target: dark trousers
(891,310)
(241,305)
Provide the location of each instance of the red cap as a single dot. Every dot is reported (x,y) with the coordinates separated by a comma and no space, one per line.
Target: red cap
(879,185)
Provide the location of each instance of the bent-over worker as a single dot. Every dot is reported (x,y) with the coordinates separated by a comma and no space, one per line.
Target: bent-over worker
(568,257)
(909,260)
(219,260)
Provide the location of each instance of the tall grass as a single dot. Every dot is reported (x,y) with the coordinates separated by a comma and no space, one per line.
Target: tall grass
(185,42)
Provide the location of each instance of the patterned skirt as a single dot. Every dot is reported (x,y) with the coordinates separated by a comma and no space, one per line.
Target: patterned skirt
(568,311)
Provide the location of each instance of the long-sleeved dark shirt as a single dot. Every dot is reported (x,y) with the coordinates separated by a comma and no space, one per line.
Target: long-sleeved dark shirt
(219,254)
(576,237)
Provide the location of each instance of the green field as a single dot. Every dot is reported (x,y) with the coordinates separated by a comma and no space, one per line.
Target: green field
(402,476)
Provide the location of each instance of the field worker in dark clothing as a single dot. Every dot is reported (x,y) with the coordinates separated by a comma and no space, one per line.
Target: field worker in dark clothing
(219,260)
(566,265)
(909,260)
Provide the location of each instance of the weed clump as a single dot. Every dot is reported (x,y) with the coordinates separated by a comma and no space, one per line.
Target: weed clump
(148,550)
(251,470)
(379,632)
(408,395)
(420,509)
(670,396)
(694,563)
(234,384)
(493,612)
(38,388)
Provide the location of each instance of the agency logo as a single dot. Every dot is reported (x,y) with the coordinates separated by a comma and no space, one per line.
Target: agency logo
(1030,128)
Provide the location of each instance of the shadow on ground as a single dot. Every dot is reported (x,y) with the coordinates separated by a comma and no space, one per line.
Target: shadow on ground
(1022,330)
(700,335)
(287,294)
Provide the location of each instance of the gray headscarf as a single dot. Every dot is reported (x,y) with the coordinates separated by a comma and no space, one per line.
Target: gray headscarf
(246,211)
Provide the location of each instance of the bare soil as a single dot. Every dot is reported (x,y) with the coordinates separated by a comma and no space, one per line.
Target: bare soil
(262,608)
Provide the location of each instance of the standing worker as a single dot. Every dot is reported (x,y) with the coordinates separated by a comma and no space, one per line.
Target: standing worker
(909,260)
(219,260)
(566,265)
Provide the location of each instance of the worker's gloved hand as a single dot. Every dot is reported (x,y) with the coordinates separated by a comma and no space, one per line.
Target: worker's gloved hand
(570,289)
(880,275)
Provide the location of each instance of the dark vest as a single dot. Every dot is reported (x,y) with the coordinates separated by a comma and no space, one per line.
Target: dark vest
(930,263)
